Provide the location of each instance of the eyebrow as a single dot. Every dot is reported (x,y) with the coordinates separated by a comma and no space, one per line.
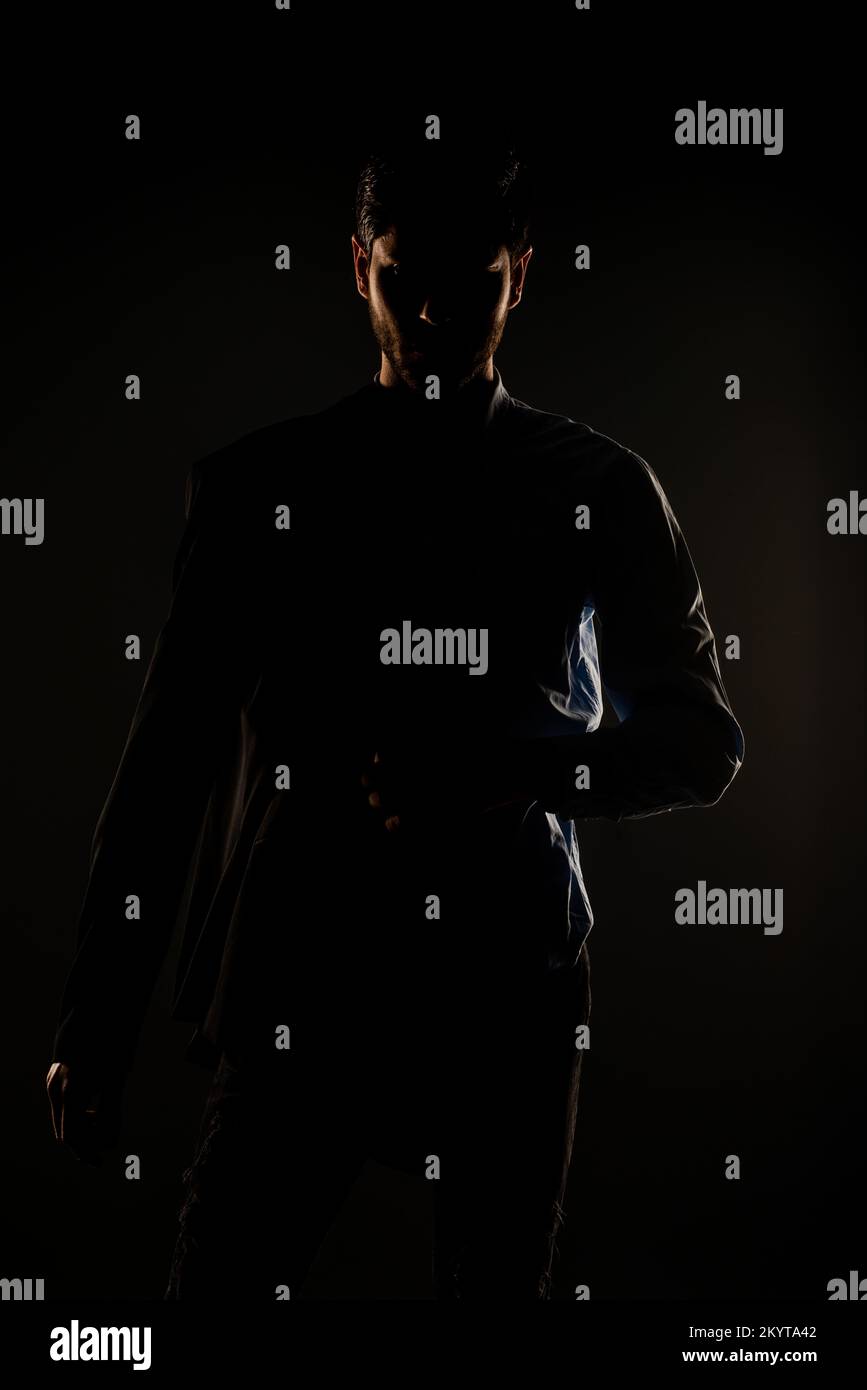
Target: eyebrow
(389,257)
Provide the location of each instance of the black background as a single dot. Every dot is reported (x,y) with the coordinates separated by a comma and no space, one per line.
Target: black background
(157,258)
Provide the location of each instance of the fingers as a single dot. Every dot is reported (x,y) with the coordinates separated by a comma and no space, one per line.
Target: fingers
(78,1131)
(381,797)
(85,1116)
(53,1084)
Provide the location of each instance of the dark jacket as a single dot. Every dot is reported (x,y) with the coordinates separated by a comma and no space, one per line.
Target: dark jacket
(394,509)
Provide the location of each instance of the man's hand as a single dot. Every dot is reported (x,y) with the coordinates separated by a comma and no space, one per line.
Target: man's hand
(85,1111)
(435,785)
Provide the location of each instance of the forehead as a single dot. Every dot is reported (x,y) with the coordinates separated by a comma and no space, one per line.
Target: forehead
(436,242)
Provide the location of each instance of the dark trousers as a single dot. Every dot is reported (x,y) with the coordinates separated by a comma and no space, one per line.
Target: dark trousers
(481,1099)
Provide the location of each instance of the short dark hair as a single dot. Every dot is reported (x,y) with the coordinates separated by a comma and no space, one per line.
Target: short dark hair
(470,183)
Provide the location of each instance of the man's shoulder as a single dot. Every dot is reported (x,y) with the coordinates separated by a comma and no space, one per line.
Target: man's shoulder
(264,453)
(571,446)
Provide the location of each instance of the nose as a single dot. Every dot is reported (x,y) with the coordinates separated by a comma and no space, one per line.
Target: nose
(434,311)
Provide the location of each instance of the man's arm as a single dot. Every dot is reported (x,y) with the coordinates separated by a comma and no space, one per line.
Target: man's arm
(678,743)
(148,827)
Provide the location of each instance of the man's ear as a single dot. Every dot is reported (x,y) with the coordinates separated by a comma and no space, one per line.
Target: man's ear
(362,266)
(519,272)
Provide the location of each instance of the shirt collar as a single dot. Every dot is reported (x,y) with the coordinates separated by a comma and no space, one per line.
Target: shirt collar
(479,403)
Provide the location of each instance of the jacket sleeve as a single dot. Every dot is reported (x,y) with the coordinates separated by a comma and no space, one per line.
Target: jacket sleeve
(148,828)
(678,743)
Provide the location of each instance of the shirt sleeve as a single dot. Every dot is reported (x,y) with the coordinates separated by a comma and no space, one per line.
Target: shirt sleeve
(678,743)
(146,833)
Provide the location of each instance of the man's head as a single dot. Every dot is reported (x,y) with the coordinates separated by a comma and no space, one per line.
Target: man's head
(441,251)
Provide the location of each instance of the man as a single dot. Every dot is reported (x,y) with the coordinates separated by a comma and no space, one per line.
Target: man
(371,722)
